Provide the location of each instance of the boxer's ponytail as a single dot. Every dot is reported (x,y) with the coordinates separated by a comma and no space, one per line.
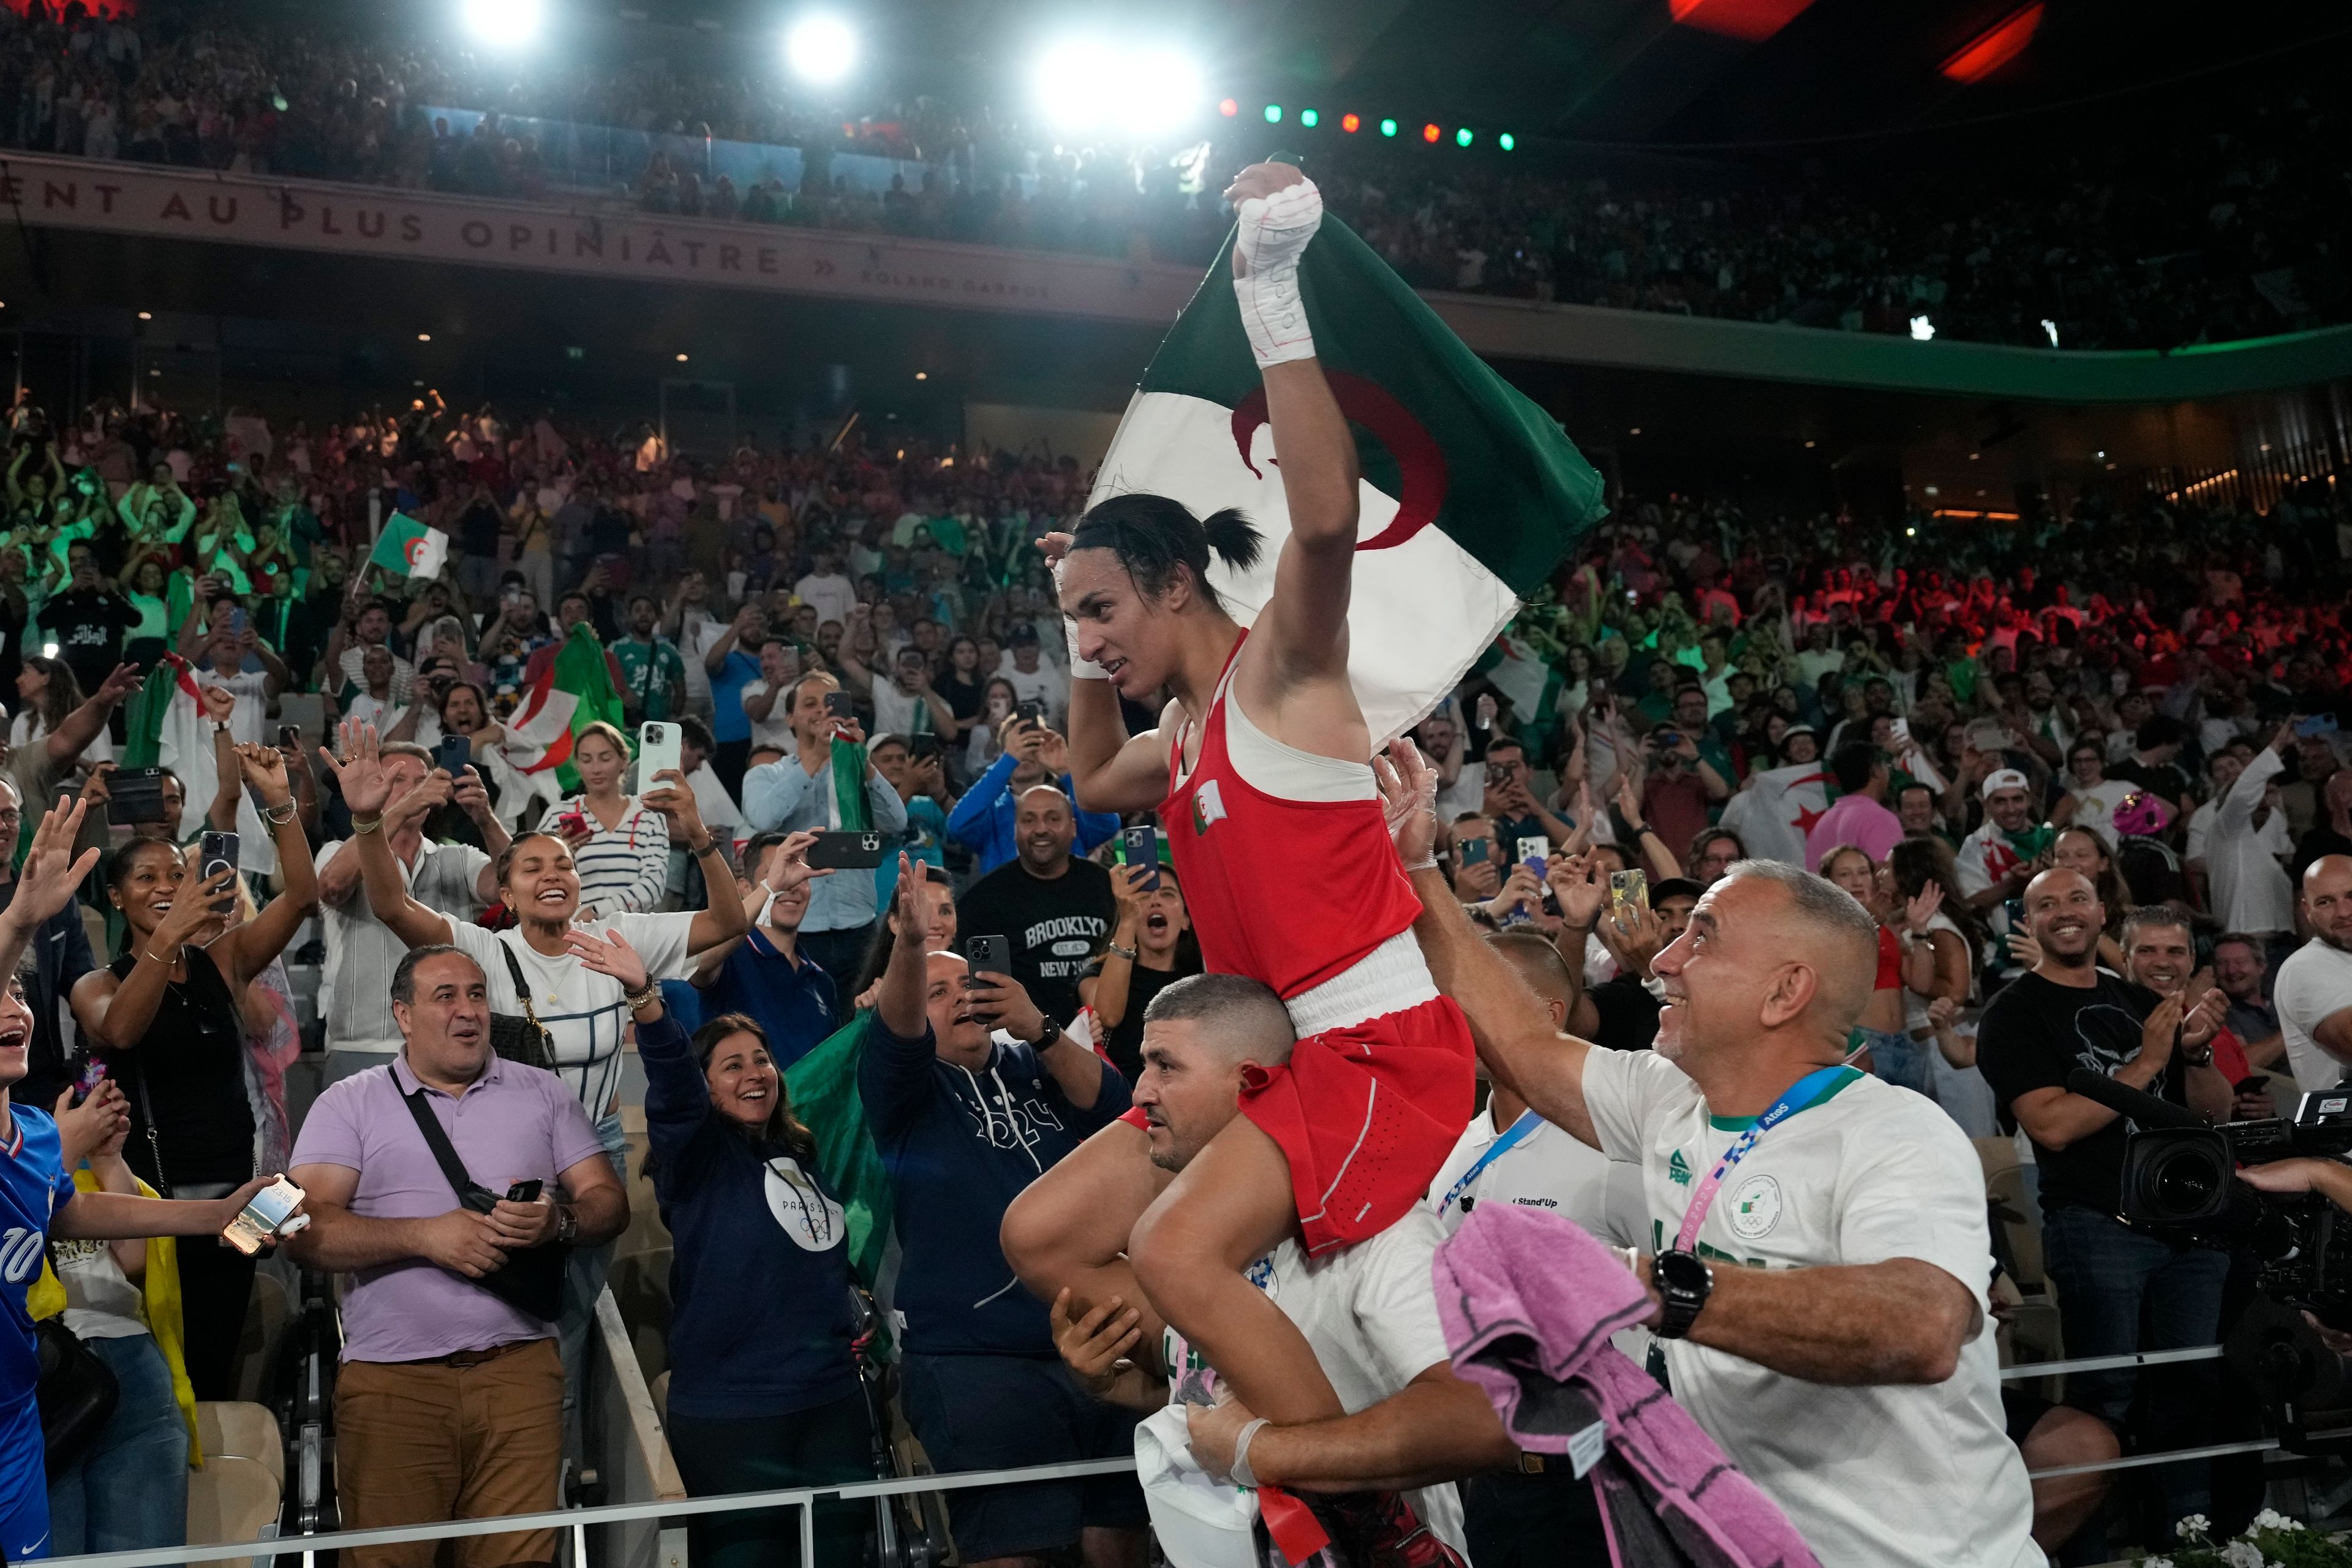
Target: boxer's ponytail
(1152,535)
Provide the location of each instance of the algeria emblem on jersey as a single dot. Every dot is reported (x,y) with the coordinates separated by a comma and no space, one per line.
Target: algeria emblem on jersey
(1754,1207)
(1208,806)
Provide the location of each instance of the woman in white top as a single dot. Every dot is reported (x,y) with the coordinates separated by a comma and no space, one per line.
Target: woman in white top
(984,743)
(619,847)
(2090,795)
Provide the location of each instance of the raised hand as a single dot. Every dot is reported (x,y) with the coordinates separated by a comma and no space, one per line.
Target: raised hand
(1578,883)
(788,865)
(674,800)
(1921,907)
(264,768)
(52,870)
(121,683)
(362,778)
(1053,546)
(1409,800)
(220,703)
(610,955)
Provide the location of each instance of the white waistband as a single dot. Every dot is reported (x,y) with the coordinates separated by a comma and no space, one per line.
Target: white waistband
(1390,978)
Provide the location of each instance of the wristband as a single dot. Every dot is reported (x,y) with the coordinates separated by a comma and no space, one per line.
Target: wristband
(270,814)
(359,828)
(1271,235)
(1240,1468)
(1426,863)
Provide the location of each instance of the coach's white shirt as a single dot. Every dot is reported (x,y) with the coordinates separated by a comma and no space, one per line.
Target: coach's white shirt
(1895,1474)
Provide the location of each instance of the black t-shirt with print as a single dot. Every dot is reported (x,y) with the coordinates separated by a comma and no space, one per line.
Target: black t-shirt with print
(1051,927)
(2035,1033)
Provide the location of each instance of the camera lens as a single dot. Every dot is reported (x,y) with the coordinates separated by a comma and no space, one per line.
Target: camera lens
(2186,1184)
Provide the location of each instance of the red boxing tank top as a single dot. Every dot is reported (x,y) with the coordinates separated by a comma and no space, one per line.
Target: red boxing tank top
(1287,892)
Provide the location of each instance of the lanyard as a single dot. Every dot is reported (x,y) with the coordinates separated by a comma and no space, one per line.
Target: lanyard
(1501,1146)
(1809,1090)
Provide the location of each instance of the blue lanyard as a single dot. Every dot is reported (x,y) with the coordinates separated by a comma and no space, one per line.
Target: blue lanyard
(1809,1090)
(1527,1124)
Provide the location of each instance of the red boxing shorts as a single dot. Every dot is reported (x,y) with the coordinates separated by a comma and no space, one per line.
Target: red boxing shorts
(1366,1114)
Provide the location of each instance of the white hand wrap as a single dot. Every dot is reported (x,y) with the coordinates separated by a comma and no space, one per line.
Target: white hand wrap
(1273,233)
(1080,669)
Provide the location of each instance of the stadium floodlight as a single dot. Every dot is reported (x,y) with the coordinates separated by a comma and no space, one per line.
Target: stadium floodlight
(820,49)
(1087,84)
(504,23)
(1922,329)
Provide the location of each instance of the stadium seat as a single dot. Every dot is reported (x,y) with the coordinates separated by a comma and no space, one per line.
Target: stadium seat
(237,1492)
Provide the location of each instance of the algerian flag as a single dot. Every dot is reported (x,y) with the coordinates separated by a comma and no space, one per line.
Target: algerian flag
(847,809)
(824,1089)
(574,689)
(409,549)
(1777,808)
(1521,674)
(1442,440)
(167,727)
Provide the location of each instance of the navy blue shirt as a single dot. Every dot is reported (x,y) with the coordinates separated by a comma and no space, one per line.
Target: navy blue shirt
(758,1279)
(959,1146)
(792,999)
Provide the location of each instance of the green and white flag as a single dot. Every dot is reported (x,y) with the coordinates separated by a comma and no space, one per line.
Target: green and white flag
(1471,493)
(409,549)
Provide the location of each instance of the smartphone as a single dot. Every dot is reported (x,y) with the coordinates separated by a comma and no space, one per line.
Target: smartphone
(924,748)
(236,620)
(265,1217)
(215,853)
(2317,725)
(988,956)
(838,704)
(1474,851)
(1663,738)
(93,1073)
(1899,731)
(1987,735)
(1030,712)
(1142,847)
(138,794)
(657,751)
(1535,852)
(525,1192)
(846,852)
(572,824)
(290,735)
(1628,890)
(457,752)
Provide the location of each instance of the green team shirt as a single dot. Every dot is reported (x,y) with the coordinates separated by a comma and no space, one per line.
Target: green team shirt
(648,671)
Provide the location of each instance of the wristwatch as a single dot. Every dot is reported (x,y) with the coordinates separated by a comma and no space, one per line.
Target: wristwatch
(1053,1031)
(1685,1283)
(567,1225)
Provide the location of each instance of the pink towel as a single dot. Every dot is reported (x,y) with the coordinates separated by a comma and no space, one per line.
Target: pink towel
(1528,1300)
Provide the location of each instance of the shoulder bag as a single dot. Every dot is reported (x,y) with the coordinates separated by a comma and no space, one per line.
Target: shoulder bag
(77,1395)
(530,1280)
(523,1039)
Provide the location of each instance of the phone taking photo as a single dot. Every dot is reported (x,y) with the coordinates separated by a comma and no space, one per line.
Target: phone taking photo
(657,753)
(457,753)
(215,853)
(844,852)
(137,795)
(1141,848)
(988,956)
(1628,891)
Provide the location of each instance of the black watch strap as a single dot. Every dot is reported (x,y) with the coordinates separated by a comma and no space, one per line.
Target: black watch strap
(1053,1031)
(1684,1284)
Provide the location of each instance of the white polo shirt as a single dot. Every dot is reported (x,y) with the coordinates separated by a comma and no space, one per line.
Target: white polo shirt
(2315,981)
(1550,1168)
(1892,1474)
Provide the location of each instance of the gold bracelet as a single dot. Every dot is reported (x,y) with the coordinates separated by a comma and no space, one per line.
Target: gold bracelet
(651,994)
(269,814)
(358,827)
(164,962)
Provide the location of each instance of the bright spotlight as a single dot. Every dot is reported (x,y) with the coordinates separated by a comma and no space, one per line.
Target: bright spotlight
(1922,329)
(822,49)
(1089,85)
(504,23)
(2051,328)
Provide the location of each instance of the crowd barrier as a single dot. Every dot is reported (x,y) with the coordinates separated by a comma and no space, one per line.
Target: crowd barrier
(652,1516)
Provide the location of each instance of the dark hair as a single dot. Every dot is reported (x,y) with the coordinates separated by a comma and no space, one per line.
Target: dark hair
(118,869)
(1853,763)
(1236,1003)
(2159,730)
(61,696)
(782,1127)
(506,861)
(1152,535)
(695,734)
(2242,939)
(480,700)
(1920,858)
(404,978)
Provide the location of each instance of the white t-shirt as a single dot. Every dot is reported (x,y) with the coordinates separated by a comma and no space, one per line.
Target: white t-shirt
(2250,890)
(1370,1314)
(2314,981)
(1915,1006)
(1552,1169)
(776,729)
(1045,684)
(897,713)
(585,1011)
(834,597)
(2095,806)
(29,729)
(1871,1476)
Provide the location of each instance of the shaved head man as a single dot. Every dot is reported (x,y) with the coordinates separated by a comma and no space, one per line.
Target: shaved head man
(1819,1242)
(2313,990)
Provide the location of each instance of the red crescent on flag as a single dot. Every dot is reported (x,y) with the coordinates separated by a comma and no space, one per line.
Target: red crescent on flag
(414,549)
(1420,461)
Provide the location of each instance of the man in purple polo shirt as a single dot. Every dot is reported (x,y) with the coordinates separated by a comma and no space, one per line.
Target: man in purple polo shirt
(450,1401)
(1859,815)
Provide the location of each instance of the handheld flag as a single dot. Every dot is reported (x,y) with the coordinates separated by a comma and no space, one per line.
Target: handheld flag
(1777,808)
(1471,494)
(408,549)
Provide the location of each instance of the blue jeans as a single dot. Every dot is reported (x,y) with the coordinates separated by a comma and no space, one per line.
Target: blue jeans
(2120,1292)
(129,1490)
(584,1281)
(1900,1059)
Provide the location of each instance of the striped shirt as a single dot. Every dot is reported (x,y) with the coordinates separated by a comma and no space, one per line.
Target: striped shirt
(585,1011)
(621,869)
(362,953)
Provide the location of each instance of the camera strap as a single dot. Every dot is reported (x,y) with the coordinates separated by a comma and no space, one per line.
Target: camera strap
(1808,1090)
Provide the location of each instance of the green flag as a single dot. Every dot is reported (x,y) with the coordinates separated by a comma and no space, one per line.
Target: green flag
(824,1089)
(849,810)
(1471,493)
(583,670)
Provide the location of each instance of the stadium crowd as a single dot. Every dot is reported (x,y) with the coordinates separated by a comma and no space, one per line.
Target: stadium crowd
(2236,238)
(2077,768)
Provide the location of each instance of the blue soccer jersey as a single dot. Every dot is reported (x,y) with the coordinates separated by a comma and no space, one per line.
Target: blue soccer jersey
(32,1186)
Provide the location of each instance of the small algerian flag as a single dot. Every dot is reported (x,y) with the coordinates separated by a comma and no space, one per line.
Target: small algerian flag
(409,548)
(1522,675)
(1471,494)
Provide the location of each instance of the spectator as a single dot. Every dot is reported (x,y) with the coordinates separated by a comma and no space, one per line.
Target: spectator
(801,792)
(2152,765)
(1035,679)
(763,976)
(361,951)
(2241,969)
(1053,911)
(984,820)
(619,845)
(766,701)
(2332,833)
(653,676)
(2092,797)
(732,661)
(448,1404)
(1859,815)
(2245,843)
(2119,1290)
(978,1390)
(1997,860)
(1149,948)
(903,700)
(1511,805)
(166,1017)
(58,956)
(2313,990)
(1713,854)
(762,1391)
